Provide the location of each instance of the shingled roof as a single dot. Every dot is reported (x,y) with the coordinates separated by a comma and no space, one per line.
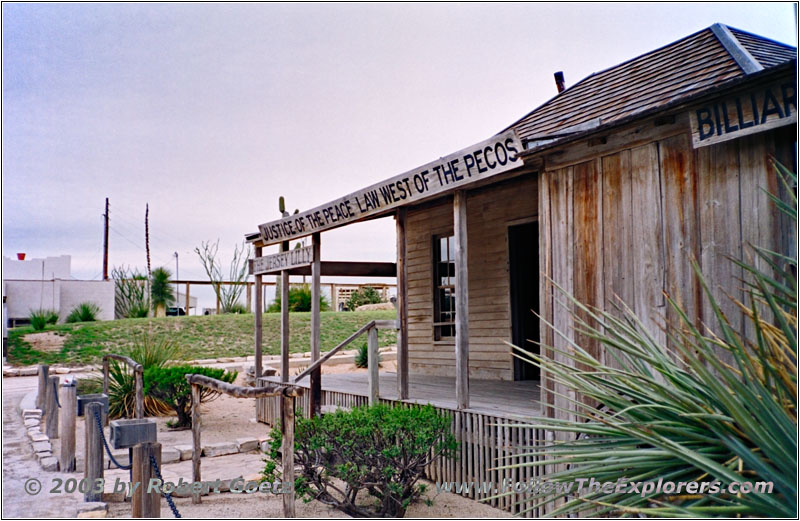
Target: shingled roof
(680,70)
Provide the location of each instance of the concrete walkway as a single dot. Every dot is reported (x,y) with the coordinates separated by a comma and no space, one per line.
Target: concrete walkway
(20,465)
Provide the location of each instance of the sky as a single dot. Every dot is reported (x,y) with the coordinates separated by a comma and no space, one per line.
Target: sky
(209,112)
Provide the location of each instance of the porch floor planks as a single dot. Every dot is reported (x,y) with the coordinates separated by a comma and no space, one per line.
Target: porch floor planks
(495,397)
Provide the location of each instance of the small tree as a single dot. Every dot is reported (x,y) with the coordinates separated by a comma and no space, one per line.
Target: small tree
(227,294)
(161,292)
(365,295)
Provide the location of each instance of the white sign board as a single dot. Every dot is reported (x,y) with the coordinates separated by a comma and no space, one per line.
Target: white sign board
(285,260)
(491,157)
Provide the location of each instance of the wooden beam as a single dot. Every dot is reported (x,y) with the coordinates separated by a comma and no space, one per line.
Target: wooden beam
(316,374)
(287,453)
(402,306)
(93,450)
(187,299)
(238,391)
(284,278)
(350,269)
(196,446)
(462,299)
(333,351)
(259,330)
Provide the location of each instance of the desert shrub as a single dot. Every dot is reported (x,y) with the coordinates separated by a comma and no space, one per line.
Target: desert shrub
(130,293)
(83,312)
(169,385)
(362,356)
(148,350)
(378,449)
(365,295)
(237,308)
(39,319)
(299,300)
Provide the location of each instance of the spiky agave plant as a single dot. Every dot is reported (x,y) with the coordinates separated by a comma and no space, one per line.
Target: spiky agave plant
(687,418)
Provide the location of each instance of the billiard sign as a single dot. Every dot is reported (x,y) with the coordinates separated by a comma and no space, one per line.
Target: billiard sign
(755,110)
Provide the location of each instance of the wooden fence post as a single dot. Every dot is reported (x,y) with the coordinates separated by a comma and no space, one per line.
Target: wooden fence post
(139,392)
(372,364)
(69,405)
(41,400)
(146,504)
(196,447)
(51,408)
(287,453)
(105,376)
(93,450)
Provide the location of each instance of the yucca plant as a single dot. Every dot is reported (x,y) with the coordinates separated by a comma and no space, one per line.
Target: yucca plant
(161,292)
(39,319)
(150,351)
(690,417)
(83,312)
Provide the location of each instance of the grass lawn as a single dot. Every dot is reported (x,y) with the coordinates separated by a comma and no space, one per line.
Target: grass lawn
(211,336)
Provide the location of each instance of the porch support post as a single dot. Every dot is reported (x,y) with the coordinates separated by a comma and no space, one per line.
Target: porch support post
(462,299)
(258,318)
(187,298)
(402,306)
(316,375)
(284,279)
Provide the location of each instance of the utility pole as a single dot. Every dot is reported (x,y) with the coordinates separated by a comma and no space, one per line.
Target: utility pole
(147,246)
(105,243)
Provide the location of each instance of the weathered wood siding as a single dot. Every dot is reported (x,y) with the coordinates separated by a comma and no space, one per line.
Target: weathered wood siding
(623,224)
(490,211)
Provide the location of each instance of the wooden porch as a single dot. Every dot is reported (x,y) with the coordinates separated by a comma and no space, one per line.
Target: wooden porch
(494,397)
(492,431)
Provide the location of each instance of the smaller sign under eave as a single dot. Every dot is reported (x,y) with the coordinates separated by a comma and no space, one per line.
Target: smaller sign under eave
(754,110)
(488,158)
(284,260)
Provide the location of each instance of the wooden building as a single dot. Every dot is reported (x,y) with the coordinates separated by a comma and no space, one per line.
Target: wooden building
(608,189)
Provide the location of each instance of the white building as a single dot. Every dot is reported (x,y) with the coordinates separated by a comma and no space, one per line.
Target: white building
(30,285)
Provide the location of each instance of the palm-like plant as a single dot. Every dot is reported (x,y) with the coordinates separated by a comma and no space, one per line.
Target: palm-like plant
(161,293)
(697,419)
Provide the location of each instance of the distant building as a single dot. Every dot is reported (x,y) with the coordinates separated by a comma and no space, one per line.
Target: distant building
(30,285)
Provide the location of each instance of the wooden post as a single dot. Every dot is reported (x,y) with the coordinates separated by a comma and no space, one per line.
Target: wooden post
(142,503)
(51,408)
(187,298)
(287,453)
(69,406)
(217,292)
(93,451)
(105,376)
(316,375)
(249,295)
(372,364)
(196,447)
(41,398)
(462,299)
(285,320)
(258,319)
(402,306)
(139,380)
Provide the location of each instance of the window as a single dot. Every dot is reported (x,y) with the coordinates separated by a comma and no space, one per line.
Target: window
(444,297)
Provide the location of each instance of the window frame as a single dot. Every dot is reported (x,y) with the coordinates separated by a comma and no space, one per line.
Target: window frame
(443,330)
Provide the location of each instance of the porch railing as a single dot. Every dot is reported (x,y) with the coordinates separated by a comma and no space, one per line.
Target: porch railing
(371,329)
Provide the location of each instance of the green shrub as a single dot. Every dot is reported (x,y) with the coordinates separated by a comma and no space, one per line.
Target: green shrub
(39,319)
(169,385)
(84,312)
(365,295)
(130,293)
(161,291)
(237,308)
(377,449)
(148,350)
(299,300)
(362,356)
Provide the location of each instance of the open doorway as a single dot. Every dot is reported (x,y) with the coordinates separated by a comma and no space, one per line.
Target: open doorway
(523,252)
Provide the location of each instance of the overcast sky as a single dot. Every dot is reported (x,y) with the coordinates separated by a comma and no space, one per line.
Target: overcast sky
(209,112)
